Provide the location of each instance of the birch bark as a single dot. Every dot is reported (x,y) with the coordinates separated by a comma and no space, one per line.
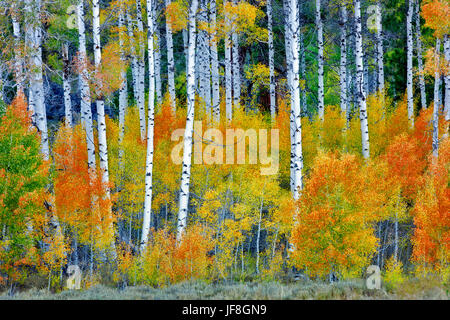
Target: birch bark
(187,150)
(409,64)
(423,96)
(361,95)
(320,58)
(150,132)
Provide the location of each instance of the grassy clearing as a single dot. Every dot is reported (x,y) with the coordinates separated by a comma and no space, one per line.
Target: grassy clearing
(346,290)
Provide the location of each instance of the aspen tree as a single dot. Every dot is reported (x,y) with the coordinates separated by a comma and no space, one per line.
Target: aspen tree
(361,94)
(320,60)
(188,133)
(146,225)
(423,97)
(170,63)
(409,62)
(86,112)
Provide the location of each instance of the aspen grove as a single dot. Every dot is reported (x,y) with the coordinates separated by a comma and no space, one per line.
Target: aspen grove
(349,101)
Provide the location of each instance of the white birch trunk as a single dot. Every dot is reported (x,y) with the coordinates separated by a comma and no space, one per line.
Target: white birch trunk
(214,64)
(170,63)
(302,59)
(123,91)
(320,58)
(204,66)
(288,46)
(380,53)
(236,69)
(187,150)
(294,86)
(86,112)
(228,73)
(157,55)
(409,64)
(437,82)
(271,61)
(423,96)
(343,62)
(18,54)
(361,95)
(447,79)
(66,86)
(102,143)
(146,224)
(134,60)
(141,70)
(36,77)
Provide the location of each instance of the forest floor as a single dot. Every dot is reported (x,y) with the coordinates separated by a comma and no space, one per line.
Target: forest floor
(346,290)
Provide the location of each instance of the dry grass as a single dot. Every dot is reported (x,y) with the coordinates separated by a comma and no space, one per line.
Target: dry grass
(355,289)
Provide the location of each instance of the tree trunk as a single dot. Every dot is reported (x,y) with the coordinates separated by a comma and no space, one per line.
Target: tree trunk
(294,86)
(18,54)
(343,64)
(320,61)
(423,97)
(170,63)
(447,81)
(33,24)
(380,54)
(123,91)
(271,61)
(437,80)
(361,95)
(187,150)
(214,64)
(102,144)
(141,71)
(66,86)
(228,80)
(236,69)
(157,55)
(86,112)
(134,61)
(409,64)
(146,225)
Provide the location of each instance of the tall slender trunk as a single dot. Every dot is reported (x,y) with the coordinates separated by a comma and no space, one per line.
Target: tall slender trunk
(236,68)
(288,46)
(380,53)
(271,61)
(204,63)
(170,63)
(86,112)
(102,143)
(33,22)
(134,60)
(157,56)
(409,64)
(228,74)
(18,54)
(302,58)
(437,82)
(66,86)
(320,61)
(447,80)
(146,225)
(123,91)
(423,96)
(343,64)
(294,86)
(187,150)
(361,95)
(141,70)
(214,64)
